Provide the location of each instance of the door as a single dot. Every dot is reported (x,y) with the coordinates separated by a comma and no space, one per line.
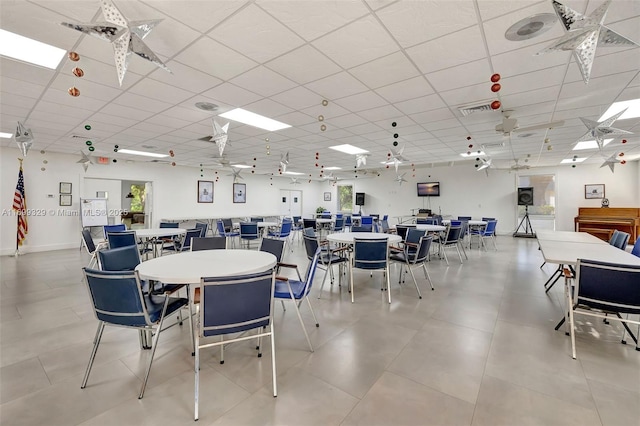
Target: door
(290,203)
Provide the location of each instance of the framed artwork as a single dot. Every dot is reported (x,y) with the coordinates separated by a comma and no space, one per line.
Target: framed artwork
(327,196)
(205,191)
(239,192)
(102,194)
(65,188)
(594,191)
(65,199)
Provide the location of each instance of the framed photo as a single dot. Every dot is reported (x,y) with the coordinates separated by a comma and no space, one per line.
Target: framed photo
(65,199)
(102,194)
(239,192)
(205,191)
(327,196)
(65,188)
(594,191)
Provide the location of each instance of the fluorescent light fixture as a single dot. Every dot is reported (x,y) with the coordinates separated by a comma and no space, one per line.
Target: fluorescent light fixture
(6,135)
(147,154)
(473,154)
(253,119)
(333,168)
(590,144)
(293,173)
(28,50)
(241,166)
(349,149)
(390,162)
(633,110)
(572,160)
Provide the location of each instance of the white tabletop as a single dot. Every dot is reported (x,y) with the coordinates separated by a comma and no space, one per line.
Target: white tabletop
(568,237)
(267,224)
(348,237)
(324,220)
(568,253)
(431,228)
(470,222)
(189,267)
(159,232)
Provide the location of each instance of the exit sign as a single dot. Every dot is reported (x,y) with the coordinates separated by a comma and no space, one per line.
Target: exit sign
(103,160)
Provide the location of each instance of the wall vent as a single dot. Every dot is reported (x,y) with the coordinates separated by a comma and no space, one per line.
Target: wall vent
(470,109)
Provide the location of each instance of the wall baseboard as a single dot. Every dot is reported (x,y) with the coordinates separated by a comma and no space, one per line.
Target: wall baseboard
(35,249)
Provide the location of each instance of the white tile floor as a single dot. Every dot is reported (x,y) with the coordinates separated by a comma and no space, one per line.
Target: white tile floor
(479,350)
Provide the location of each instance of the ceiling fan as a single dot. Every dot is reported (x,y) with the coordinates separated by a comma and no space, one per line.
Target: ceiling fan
(510,125)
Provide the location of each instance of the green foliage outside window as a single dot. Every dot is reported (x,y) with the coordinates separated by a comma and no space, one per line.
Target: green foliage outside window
(137,202)
(345,198)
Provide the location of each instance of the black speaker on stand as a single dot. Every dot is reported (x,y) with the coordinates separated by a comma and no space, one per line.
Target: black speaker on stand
(525,198)
(360,200)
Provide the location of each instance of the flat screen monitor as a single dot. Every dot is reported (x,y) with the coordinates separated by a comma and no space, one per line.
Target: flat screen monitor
(429,189)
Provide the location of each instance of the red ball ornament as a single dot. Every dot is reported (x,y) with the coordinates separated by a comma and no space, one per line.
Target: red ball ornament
(495,105)
(173,164)
(468,138)
(73,56)
(623,162)
(73,91)
(470,146)
(253,171)
(316,164)
(624,141)
(496,87)
(317,153)
(387,166)
(78,72)
(495,78)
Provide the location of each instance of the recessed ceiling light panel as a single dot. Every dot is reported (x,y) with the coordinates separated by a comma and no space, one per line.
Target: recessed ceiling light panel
(349,149)
(253,119)
(144,153)
(632,106)
(6,135)
(28,50)
(590,144)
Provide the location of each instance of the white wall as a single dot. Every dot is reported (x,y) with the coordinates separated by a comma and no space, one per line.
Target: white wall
(175,195)
(464,192)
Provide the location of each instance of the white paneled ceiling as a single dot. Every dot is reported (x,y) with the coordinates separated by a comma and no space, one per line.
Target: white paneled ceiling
(375,62)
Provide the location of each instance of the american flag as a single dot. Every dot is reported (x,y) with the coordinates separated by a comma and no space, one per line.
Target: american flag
(20,205)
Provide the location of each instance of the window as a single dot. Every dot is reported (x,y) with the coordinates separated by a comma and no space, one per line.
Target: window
(544,194)
(345,198)
(137,202)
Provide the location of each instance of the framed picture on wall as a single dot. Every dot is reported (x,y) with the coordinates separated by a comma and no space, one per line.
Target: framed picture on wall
(327,196)
(594,191)
(65,199)
(205,191)
(65,187)
(239,193)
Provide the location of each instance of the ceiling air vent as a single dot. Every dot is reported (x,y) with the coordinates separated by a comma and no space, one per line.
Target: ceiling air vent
(470,109)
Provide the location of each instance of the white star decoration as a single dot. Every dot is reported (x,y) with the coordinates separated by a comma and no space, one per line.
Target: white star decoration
(611,161)
(361,159)
(220,136)
(294,181)
(24,138)
(126,37)
(236,174)
(584,34)
(85,161)
(601,130)
(397,158)
(486,165)
(284,161)
(400,179)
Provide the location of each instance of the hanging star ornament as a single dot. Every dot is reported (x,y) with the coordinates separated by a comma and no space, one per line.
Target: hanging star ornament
(85,161)
(361,159)
(294,181)
(236,174)
(220,136)
(397,158)
(486,165)
(24,138)
(602,129)
(126,37)
(284,161)
(611,161)
(584,34)
(400,179)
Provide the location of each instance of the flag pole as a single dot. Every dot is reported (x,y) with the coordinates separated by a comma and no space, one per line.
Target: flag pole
(17,253)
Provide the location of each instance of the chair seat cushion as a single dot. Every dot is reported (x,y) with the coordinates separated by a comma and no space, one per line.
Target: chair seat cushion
(331,258)
(398,256)
(282,289)
(156,303)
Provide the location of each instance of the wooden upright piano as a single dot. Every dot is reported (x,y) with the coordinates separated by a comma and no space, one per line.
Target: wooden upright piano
(602,221)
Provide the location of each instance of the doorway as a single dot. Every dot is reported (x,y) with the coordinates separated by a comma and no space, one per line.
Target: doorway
(290,203)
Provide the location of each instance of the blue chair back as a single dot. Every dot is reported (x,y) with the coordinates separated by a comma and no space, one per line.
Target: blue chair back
(422,220)
(487,219)
(191,233)
(256,219)
(423,250)
(455,222)
(309,223)
(249,230)
(414,235)
(366,220)
(88,241)
(431,221)
(309,232)
(402,230)
(235,304)
(113,228)
(220,227)
(636,248)
(339,216)
(339,225)
(326,215)
(228,224)
(622,240)
(491,228)
(370,253)
(454,234)
(203,227)
(464,217)
(310,245)
(122,239)
(366,228)
(614,237)
(384,224)
(385,217)
(285,229)
(348,222)
(209,243)
(608,286)
(169,225)
(273,246)
(119,259)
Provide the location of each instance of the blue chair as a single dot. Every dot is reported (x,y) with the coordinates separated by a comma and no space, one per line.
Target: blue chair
(363,228)
(348,223)
(122,239)
(601,289)
(431,221)
(309,223)
(119,259)
(208,243)
(256,219)
(91,247)
(184,244)
(371,255)
(467,218)
(384,226)
(113,228)
(117,300)
(325,215)
(167,240)
(231,305)
(249,232)
(636,248)
(422,220)
(488,231)
(452,239)
(297,227)
(283,233)
(621,240)
(203,227)
(298,290)
(222,231)
(487,219)
(614,237)
(366,220)
(328,257)
(338,225)
(414,256)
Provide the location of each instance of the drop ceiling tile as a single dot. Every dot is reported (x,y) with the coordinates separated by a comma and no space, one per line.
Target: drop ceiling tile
(431,116)
(361,101)
(361,41)
(141,102)
(526,60)
(413,22)
(337,86)
(405,90)
(263,81)
(438,54)
(266,40)
(469,74)
(298,98)
(304,64)
(188,78)
(268,108)
(209,14)
(160,91)
(384,71)
(328,112)
(231,95)
(471,95)
(218,61)
(126,112)
(425,103)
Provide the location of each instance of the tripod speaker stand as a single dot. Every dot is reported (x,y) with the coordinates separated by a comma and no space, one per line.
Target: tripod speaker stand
(528,229)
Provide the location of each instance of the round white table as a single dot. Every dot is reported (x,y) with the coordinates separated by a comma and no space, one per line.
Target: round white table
(470,222)
(431,228)
(189,267)
(348,237)
(159,232)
